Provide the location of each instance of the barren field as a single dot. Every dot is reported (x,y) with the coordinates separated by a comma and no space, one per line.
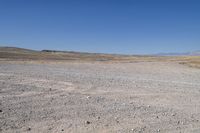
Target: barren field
(99,97)
(70,92)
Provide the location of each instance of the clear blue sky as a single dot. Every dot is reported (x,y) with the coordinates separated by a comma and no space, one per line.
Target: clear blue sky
(108,26)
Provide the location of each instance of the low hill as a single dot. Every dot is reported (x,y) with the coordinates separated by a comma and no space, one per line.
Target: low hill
(15,49)
(24,54)
(13,53)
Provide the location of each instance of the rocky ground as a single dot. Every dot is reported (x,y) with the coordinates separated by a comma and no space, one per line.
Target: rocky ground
(99,97)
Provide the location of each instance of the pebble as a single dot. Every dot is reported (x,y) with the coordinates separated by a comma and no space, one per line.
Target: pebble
(123,104)
(116,118)
(88,122)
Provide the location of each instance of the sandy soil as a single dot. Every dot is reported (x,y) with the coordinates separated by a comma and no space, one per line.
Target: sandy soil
(99,97)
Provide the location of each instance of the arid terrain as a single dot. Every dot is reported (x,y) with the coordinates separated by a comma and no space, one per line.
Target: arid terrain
(80,92)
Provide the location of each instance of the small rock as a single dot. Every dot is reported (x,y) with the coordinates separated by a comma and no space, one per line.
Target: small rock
(29,129)
(88,97)
(163,114)
(157,117)
(62,130)
(1,111)
(99,117)
(148,106)
(158,130)
(88,122)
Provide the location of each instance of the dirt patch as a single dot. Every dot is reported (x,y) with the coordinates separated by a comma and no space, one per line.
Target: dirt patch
(99,97)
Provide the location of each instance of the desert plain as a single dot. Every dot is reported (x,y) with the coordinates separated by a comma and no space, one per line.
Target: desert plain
(55,92)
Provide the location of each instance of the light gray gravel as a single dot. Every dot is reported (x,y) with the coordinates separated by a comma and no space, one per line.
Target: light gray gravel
(99,97)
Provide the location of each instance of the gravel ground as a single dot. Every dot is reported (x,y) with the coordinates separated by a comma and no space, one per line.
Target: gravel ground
(99,97)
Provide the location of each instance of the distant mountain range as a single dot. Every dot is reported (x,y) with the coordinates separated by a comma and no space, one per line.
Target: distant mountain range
(194,53)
